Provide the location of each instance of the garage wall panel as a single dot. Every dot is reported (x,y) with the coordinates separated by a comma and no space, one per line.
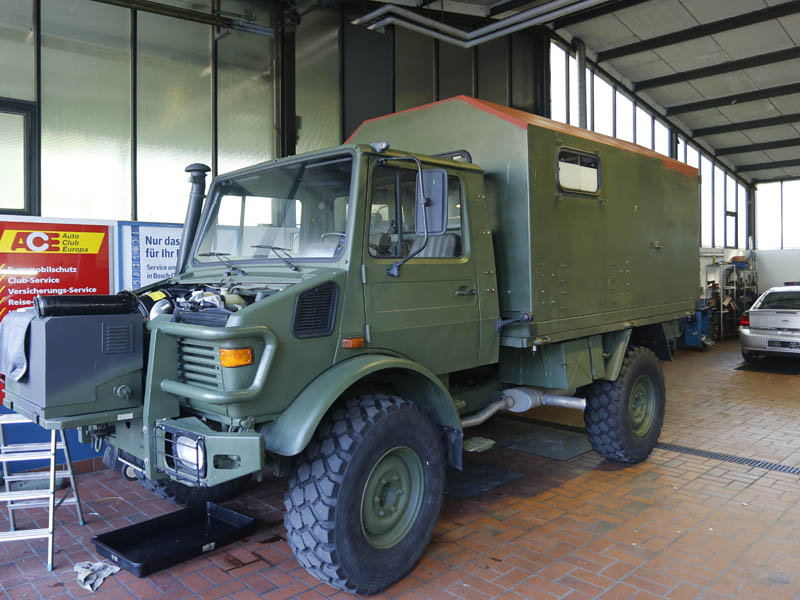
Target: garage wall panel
(318,99)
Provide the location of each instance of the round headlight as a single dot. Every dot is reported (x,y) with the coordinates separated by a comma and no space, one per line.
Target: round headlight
(190,452)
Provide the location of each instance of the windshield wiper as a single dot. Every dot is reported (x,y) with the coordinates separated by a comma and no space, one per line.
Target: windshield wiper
(275,249)
(220,256)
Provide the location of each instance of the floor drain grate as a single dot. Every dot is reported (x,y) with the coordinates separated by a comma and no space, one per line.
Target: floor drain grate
(750,462)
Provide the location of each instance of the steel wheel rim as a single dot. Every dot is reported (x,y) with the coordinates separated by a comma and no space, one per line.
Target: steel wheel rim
(392,497)
(642,405)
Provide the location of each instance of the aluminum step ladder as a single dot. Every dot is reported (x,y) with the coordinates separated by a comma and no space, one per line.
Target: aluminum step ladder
(21,499)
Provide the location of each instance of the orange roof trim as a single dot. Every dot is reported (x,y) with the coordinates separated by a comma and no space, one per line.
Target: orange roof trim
(522,119)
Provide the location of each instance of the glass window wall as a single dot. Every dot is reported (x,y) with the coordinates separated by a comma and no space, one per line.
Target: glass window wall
(86,110)
(16,49)
(245,96)
(173,112)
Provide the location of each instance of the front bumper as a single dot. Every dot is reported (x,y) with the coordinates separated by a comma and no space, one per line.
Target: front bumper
(775,343)
(189,451)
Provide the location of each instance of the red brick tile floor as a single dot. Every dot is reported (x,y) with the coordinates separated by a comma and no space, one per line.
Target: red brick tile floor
(675,526)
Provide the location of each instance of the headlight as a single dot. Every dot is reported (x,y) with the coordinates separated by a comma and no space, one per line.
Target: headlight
(190,452)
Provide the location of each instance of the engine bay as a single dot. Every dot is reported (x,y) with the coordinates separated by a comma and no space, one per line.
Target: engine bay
(203,304)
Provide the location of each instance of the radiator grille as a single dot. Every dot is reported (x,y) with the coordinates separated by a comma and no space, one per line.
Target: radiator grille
(198,364)
(315,311)
(117,338)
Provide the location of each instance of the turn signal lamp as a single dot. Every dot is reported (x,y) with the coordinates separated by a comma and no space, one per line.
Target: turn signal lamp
(745,322)
(353,342)
(235,357)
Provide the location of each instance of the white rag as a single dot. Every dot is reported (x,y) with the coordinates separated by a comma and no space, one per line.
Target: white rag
(91,575)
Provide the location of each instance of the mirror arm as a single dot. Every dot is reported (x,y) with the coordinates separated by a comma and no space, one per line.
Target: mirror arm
(394,270)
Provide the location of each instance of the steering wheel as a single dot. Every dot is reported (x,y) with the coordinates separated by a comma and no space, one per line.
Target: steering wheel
(331,233)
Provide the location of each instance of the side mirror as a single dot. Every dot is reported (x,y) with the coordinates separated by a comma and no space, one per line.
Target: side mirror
(433,188)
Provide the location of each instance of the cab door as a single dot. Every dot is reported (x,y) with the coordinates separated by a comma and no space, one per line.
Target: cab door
(430,313)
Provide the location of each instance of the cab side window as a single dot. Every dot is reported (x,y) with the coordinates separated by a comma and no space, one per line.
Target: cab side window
(392,217)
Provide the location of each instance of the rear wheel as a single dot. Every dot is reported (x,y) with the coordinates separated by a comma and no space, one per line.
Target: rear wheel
(624,417)
(365,495)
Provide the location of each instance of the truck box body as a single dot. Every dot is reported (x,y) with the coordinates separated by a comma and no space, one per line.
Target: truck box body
(581,262)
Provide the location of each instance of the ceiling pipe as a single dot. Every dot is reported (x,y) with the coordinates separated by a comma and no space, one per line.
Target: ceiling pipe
(496,30)
(452,35)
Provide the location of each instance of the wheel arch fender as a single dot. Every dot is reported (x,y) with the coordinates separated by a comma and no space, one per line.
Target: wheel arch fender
(293,430)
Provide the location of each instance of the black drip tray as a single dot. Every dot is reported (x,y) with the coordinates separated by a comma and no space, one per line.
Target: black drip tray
(159,543)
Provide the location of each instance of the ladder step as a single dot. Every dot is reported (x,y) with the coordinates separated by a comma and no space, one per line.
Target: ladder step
(24,495)
(24,534)
(30,447)
(18,456)
(38,475)
(40,503)
(11,418)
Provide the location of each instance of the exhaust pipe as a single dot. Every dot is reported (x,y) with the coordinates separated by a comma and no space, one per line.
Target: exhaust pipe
(197,177)
(522,399)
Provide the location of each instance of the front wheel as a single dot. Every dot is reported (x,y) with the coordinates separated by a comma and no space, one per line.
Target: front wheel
(365,495)
(624,417)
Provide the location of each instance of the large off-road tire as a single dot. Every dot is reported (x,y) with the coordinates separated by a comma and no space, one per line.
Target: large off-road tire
(365,495)
(624,417)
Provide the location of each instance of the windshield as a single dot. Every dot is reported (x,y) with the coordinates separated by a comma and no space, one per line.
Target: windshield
(298,210)
(781,301)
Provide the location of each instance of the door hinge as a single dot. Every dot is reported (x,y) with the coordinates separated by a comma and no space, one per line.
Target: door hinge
(363,274)
(367,333)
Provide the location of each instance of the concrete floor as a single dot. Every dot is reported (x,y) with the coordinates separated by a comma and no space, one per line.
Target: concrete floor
(676,526)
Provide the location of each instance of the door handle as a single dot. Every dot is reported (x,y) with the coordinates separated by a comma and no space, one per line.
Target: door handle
(464,292)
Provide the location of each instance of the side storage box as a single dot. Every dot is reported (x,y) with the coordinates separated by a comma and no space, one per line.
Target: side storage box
(79,365)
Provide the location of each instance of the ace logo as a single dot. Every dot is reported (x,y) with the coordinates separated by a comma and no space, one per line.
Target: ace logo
(73,242)
(35,241)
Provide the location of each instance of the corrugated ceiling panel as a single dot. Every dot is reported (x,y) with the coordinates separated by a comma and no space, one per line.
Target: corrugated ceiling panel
(755,39)
(705,118)
(679,93)
(641,66)
(693,54)
(792,26)
(706,11)
(652,19)
(783,153)
(724,85)
(603,33)
(787,104)
(748,158)
(775,74)
(768,134)
(723,140)
(749,111)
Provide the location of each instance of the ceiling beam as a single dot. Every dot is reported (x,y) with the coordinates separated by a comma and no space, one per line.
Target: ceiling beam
(706,29)
(593,13)
(719,69)
(742,125)
(791,143)
(741,98)
(778,164)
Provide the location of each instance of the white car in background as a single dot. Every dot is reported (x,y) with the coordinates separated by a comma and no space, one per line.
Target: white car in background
(772,325)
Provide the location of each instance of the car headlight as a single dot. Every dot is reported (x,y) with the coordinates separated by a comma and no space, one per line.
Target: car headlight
(190,452)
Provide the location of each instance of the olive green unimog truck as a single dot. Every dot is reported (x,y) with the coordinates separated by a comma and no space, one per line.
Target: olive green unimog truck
(342,316)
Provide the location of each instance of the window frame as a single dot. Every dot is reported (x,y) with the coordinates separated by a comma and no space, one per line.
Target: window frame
(569,190)
(398,209)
